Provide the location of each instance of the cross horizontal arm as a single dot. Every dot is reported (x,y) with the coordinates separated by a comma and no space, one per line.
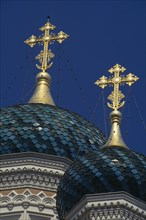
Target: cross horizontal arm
(103,82)
(33,40)
(61,36)
(129,79)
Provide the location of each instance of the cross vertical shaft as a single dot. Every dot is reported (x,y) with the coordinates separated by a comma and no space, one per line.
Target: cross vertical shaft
(45,53)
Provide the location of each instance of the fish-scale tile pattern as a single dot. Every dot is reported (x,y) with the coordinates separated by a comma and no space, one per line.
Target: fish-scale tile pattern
(110,169)
(47,129)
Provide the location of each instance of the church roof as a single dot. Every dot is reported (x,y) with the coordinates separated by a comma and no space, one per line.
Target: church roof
(47,129)
(107,170)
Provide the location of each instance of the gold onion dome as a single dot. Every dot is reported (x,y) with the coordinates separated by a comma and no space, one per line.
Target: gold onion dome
(43,79)
(115,138)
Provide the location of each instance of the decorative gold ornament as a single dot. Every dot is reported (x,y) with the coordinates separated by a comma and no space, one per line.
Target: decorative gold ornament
(115,137)
(39,57)
(42,92)
(47,38)
(116,96)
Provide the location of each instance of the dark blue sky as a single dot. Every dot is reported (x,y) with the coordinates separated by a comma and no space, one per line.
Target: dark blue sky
(102,33)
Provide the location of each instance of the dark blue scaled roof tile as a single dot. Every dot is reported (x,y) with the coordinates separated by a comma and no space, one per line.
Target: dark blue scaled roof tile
(110,169)
(47,129)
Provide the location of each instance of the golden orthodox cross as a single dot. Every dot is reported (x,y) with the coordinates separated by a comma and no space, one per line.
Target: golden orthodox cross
(116,96)
(45,56)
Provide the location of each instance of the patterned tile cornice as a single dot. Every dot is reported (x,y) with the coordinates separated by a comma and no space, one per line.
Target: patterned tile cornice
(115,206)
(32,170)
(32,158)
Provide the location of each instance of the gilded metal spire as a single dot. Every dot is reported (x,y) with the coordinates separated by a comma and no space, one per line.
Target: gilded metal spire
(115,138)
(42,92)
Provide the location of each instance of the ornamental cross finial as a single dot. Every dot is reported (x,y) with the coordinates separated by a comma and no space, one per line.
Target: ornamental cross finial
(47,38)
(116,96)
